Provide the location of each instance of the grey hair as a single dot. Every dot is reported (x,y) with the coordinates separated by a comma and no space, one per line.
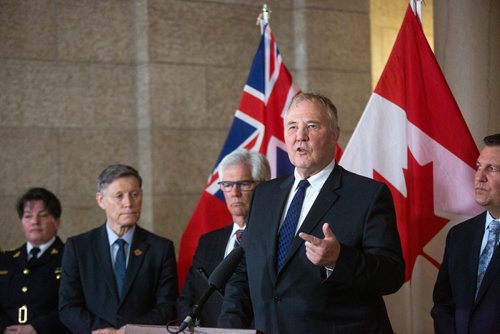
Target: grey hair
(326,103)
(113,172)
(257,162)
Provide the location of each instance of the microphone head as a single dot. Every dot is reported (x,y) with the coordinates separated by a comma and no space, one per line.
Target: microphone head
(225,268)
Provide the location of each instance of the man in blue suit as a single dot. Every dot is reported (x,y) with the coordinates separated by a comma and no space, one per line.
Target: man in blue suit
(320,264)
(467,290)
(118,273)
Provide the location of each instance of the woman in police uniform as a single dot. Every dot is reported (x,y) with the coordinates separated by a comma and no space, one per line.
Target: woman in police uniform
(30,274)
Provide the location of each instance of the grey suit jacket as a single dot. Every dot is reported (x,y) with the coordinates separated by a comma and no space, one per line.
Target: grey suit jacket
(88,297)
(455,308)
(301,298)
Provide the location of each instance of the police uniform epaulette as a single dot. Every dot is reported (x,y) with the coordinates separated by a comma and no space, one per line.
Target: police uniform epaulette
(6,251)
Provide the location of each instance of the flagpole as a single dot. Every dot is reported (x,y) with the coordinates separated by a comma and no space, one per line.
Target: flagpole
(416,6)
(263,17)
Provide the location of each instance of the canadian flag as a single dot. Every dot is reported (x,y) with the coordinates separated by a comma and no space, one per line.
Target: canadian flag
(412,136)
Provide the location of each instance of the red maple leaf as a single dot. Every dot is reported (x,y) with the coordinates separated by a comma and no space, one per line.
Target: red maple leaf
(416,219)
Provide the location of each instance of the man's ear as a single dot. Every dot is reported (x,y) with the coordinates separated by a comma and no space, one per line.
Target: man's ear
(100,200)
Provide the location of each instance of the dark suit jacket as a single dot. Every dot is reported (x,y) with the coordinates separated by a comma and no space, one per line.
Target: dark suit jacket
(455,308)
(88,297)
(301,299)
(209,253)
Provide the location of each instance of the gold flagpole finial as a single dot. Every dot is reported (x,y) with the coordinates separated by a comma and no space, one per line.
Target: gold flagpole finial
(264,15)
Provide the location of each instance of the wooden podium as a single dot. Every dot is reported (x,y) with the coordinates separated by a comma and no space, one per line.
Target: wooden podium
(146,329)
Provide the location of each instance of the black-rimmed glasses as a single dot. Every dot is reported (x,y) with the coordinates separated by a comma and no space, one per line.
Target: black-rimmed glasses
(244,185)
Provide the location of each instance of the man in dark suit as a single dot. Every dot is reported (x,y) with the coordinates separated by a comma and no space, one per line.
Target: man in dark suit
(118,273)
(30,274)
(467,291)
(240,171)
(321,246)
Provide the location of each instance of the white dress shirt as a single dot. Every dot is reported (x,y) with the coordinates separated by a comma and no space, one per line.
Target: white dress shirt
(316,183)
(232,238)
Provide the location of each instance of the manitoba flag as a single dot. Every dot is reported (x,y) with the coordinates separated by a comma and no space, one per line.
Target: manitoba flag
(257,126)
(413,137)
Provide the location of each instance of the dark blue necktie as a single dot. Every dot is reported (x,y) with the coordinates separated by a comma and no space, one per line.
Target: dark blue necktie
(487,253)
(120,265)
(34,254)
(287,231)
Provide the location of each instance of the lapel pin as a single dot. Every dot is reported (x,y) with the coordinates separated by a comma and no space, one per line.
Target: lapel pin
(16,254)
(54,251)
(137,252)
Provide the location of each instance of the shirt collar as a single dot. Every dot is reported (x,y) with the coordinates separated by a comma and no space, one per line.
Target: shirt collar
(317,180)
(112,237)
(489,219)
(236,228)
(43,247)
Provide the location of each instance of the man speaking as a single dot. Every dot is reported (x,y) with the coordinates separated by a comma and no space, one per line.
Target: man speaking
(321,246)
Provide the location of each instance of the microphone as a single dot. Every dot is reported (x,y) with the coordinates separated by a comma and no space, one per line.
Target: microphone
(203,274)
(216,281)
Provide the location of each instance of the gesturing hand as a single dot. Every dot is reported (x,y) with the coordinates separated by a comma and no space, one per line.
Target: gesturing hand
(322,252)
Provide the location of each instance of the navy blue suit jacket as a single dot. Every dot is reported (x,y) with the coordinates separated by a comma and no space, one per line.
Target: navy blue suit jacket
(301,298)
(455,308)
(88,297)
(209,253)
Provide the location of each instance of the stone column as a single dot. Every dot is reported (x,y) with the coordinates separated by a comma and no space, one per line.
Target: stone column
(467,46)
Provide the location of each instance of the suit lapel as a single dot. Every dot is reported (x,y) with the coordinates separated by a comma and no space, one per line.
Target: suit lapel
(219,248)
(471,256)
(103,256)
(137,254)
(322,204)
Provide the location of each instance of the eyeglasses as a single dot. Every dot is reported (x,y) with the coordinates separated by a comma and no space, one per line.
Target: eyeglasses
(245,185)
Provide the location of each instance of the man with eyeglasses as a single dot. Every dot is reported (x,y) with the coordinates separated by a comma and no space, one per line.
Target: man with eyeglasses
(239,173)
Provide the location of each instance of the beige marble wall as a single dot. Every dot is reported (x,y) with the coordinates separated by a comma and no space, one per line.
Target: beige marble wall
(468,51)
(152,83)
(67,104)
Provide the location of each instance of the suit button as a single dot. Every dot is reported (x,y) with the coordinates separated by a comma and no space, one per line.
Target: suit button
(26,271)
(24,289)
(277,299)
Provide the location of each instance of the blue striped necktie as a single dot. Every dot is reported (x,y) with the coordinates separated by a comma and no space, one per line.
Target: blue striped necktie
(287,231)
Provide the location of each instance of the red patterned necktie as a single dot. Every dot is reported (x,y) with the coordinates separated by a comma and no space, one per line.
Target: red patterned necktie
(238,235)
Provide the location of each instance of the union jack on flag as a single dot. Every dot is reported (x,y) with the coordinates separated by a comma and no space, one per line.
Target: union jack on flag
(257,126)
